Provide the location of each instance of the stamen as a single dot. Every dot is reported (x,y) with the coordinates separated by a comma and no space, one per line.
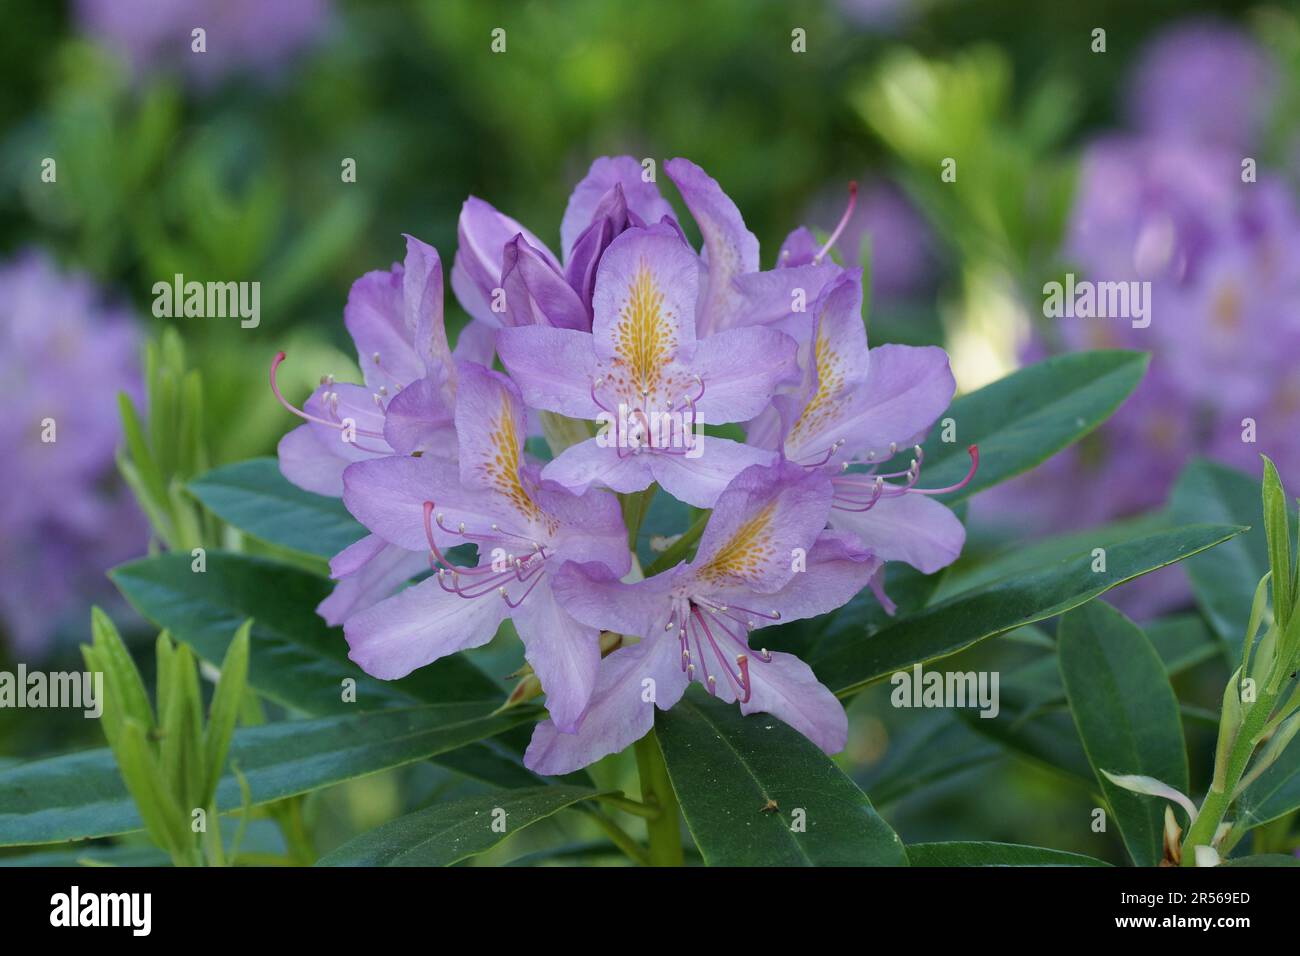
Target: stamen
(839,228)
(331,400)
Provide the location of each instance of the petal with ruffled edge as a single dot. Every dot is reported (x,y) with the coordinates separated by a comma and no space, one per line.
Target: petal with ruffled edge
(419,418)
(418,626)
(594,595)
(799,249)
(907,388)
(422,297)
(837,568)
(589,463)
(482,234)
(730,249)
(698,479)
(367,572)
(760,523)
(630,683)
(554,368)
(787,688)
(780,294)
(564,654)
(311,464)
(740,369)
(536,293)
(490,427)
(590,526)
(644,307)
(911,528)
(375,316)
(387,495)
(642,198)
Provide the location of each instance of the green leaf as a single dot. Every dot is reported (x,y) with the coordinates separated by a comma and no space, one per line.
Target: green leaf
(1275,793)
(124,691)
(1278,534)
(850,662)
(743,782)
(295,658)
(182,732)
(224,712)
(1127,717)
(1224,579)
(994,854)
(1023,419)
(255,498)
(80,795)
(447,833)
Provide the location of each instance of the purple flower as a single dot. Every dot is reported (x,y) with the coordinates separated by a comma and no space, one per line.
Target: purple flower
(241,35)
(850,413)
(1205,82)
(405,406)
(645,376)
(503,275)
(1224,309)
(634,330)
(764,557)
(525,528)
(64,357)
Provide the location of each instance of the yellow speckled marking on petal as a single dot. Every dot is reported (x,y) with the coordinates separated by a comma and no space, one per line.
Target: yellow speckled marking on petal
(743,556)
(501,466)
(644,339)
(830,379)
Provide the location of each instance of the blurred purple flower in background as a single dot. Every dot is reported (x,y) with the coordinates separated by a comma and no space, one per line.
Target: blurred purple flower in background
(64,356)
(253,36)
(1205,82)
(1169,205)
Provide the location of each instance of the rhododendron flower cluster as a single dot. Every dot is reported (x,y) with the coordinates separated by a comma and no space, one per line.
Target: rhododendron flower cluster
(641,345)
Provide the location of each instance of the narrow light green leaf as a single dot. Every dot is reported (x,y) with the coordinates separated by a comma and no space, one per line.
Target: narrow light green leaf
(182,732)
(1224,579)
(446,833)
(81,795)
(962,853)
(1278,534)
(1023,419)
(225,709)
(121,678)
(1127,717)
(255,498)
(755,792)
(850,662)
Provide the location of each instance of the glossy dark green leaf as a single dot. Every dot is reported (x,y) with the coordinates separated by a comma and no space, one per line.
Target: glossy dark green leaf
(1023,419)
(1127,718)
(255,498)
(446,833)
(994,854)
(754,792)
(1224,579)
(1034,719)
(850,662)
(296,659)
(81,795)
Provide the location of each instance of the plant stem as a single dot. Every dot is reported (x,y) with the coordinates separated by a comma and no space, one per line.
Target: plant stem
(664,832)
(618,836)
(634,807)
(1219,798)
